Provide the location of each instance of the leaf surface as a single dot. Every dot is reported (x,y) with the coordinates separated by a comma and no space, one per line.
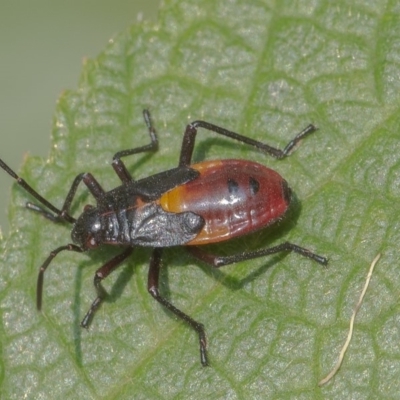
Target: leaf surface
(274,325)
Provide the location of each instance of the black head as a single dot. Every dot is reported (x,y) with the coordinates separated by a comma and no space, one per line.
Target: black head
(87,229)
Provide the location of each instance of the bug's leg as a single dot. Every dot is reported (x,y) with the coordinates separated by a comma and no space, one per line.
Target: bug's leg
(117,163)
(217,261)
(63,215)
(101,274)
(189,138)
(59,215)
(152,287)
(39,287)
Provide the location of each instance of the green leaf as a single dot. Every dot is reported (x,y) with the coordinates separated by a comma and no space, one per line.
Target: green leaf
(274,325)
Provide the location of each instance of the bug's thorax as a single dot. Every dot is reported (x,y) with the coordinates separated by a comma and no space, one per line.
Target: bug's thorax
(98,224)
(135,221)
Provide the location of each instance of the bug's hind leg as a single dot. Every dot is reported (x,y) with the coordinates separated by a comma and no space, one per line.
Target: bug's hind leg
(189,138)
(218,261)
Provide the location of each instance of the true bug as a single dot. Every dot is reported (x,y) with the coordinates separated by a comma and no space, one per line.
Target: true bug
(190,205)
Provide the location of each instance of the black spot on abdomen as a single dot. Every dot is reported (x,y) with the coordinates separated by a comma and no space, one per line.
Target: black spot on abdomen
(254,186)
(233,186)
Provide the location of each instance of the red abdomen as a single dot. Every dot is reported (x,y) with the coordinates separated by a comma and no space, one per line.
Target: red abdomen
(234,197)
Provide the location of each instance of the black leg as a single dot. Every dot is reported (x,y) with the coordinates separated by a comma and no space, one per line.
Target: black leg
(39,290)
(101,274)
(191,131)
(117,163)
(217,261)
(63,215)
(152,287)
(60,214)
(94,187)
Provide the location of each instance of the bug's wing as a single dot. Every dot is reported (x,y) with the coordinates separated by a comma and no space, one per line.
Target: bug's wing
(155,227)
(152,187)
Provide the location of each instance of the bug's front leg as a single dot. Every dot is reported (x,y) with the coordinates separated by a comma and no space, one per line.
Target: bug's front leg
(59,214)
(42,270)
(101,274)
(152,287)
(63,215)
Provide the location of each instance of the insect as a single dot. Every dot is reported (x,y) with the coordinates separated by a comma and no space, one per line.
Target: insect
(190,205)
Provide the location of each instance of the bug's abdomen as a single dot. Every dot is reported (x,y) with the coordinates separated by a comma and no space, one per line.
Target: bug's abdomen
(234,197)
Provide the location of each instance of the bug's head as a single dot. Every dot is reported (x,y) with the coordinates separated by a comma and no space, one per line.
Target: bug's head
(87,229)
